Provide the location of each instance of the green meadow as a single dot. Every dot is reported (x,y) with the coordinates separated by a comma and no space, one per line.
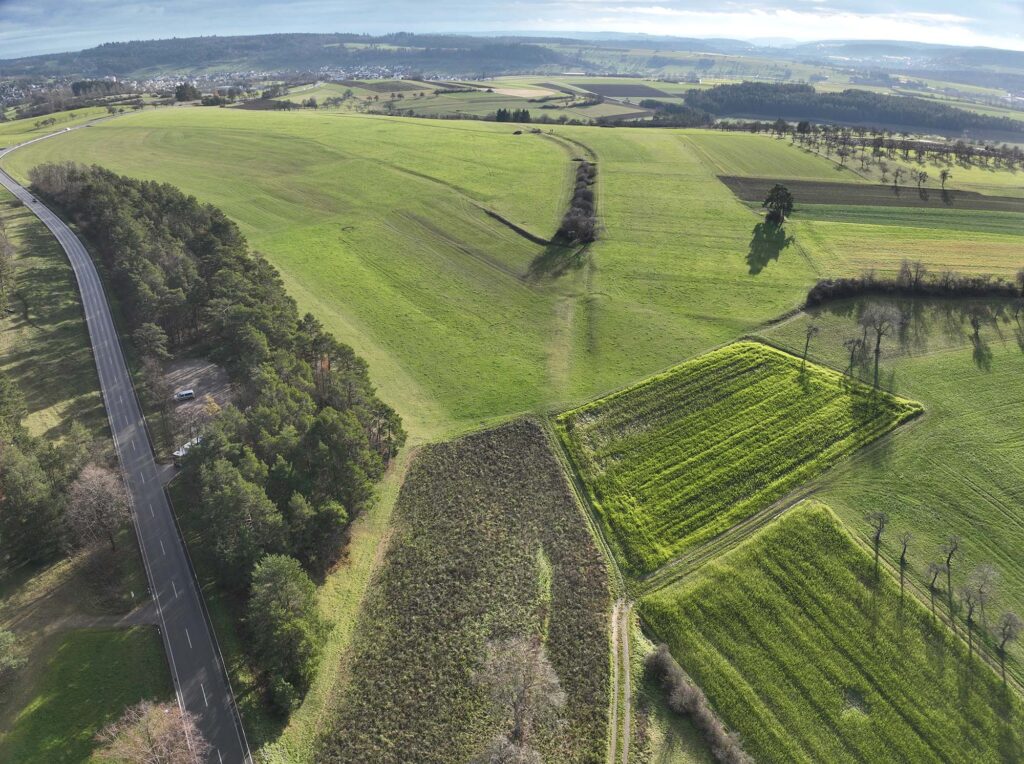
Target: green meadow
(89,677)
(812,657)
(959,469)
(462,320)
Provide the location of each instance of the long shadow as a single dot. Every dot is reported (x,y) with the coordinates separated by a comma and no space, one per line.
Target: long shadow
(766,244)
(556,260)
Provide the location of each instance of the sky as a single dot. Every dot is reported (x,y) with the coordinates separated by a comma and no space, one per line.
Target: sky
(29,27)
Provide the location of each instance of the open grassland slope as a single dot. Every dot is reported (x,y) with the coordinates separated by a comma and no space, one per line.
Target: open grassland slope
(20,130)
(44,346)
(959,470)
(681,457)
(375,227)
(89,677)
(812,657)
(489,544)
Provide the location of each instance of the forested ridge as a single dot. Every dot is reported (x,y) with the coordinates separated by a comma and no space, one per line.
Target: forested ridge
(285,468)
(791,101)
(453,54)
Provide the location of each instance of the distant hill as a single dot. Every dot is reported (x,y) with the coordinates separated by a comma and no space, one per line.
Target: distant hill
(436,54)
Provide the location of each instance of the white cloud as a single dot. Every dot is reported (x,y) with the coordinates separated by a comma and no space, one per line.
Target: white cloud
(818,24)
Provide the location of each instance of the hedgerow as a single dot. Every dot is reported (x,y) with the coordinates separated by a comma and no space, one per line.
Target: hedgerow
(812,656)
(489,544)
(684,455)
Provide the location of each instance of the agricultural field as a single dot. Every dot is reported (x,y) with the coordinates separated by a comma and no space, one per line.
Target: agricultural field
(461,320)
(876,195)
(488,543)
(20,130)
(978,221)
(849,249)
(759,156)
(812,656)
(959,469)
(682,456)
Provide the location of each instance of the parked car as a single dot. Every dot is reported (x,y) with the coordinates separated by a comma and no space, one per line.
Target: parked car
(184,395)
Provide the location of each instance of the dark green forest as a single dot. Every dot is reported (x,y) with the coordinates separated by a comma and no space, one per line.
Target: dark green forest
(285,468)
(759,99)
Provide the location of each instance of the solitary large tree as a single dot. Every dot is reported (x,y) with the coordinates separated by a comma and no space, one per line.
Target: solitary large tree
(98,506)
(153,733)
(779,204)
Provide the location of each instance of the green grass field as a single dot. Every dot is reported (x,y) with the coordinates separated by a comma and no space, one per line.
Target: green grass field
(960,468)
(683,456)
(44,344)
(19,130)
(89,677)
(812,659)
(844,249)
(384,242)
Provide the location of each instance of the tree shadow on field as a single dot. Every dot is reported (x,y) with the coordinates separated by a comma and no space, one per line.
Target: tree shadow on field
(766,244)
(556,260)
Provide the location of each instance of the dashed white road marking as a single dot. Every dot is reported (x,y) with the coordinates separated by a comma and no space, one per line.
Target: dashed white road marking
(162,547)
(151,513)
(142,477)
(189,639)
(175,588)
(205,701)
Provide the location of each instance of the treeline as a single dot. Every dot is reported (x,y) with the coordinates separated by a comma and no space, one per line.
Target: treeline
(673,115)
(687,699)
(914,279)
(579,225)
(512,115)
(283,470)
(792,101)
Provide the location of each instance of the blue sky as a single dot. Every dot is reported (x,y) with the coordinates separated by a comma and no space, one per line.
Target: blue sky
(28,27)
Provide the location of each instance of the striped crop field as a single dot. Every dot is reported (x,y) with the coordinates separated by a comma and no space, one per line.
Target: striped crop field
(684,455)
(812,657)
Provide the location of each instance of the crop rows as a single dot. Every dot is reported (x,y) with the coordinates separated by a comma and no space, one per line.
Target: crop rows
(484,526)
(811,658)
(683,456)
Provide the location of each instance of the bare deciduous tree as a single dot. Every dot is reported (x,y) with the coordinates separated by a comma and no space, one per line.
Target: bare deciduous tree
(935,569)
(153,733)
(878,521)
(853,346)
(883,320)
(905,538)
(97,506)
(951,548)
(1010,626)
(984,579)
(970,597)
(809,334)
(523,684)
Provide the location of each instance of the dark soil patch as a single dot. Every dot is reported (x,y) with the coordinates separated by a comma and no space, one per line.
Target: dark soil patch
(870,194)
(620,90)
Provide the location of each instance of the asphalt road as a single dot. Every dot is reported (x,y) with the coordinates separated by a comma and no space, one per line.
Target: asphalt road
(192,652)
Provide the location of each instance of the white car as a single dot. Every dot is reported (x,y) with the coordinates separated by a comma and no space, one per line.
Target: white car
(184,395)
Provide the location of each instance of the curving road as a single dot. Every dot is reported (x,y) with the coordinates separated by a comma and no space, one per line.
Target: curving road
(196,666)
